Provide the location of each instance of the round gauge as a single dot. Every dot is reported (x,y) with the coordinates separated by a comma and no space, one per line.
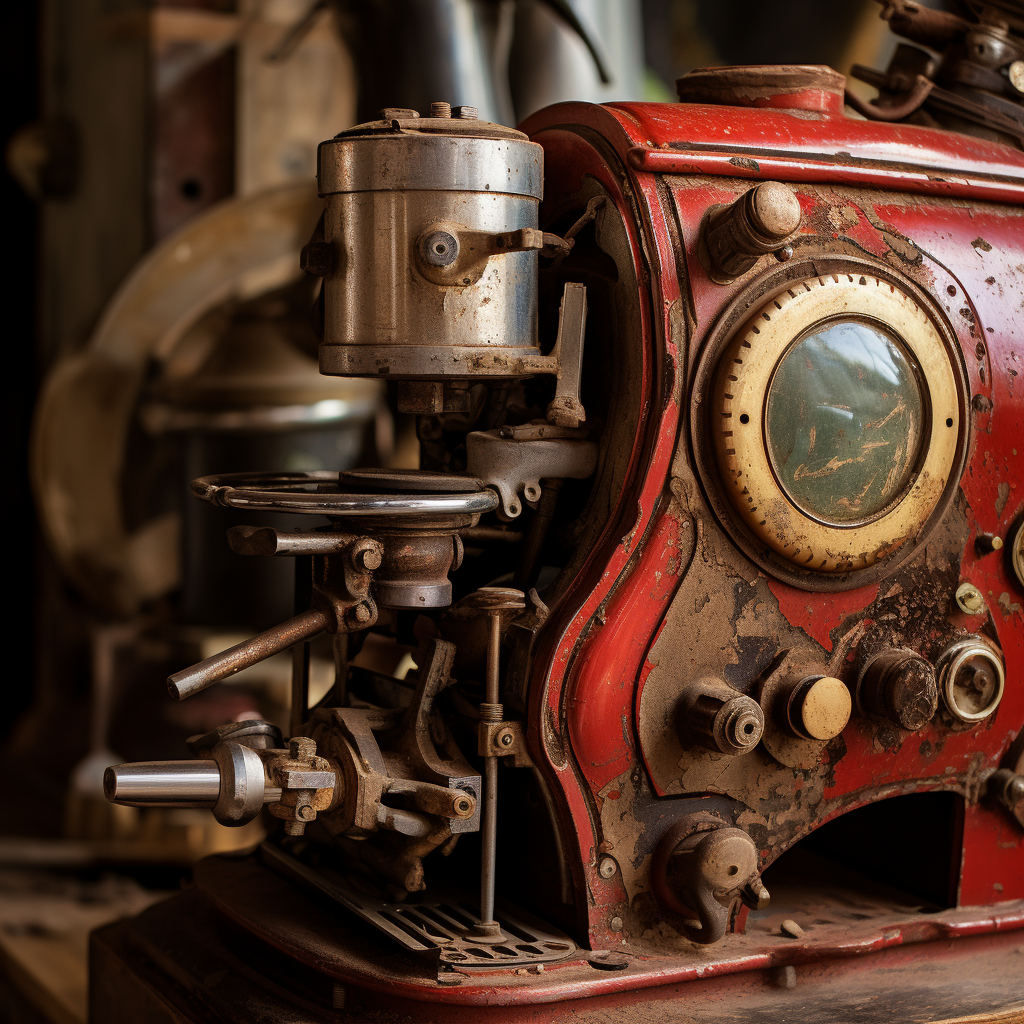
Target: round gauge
(836,421)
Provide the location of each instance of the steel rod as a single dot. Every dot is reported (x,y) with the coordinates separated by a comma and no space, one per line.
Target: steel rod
(489,835)
(265,645)
(489,817)
(163,784)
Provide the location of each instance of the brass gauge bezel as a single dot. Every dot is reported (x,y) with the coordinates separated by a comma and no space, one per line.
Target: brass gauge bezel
(734,378)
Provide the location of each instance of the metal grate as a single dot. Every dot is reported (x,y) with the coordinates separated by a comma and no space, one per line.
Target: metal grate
(436,926)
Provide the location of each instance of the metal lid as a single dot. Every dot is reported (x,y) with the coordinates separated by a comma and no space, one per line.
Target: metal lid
(449,151)
(813,87)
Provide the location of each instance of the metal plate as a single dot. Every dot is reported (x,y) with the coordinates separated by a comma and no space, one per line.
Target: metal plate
(435,925)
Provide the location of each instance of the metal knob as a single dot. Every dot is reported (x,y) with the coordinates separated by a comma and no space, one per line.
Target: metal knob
(703,866)
(718,717)
(763,220)
(818,707)
(900,686)
(971,679)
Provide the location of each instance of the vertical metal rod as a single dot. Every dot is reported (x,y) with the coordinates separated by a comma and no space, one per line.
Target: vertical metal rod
(493,658)
(300,652)
(489,832)
(489,824)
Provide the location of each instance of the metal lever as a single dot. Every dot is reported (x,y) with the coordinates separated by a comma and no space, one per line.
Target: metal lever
(565,409)
(492,601)
(265,645)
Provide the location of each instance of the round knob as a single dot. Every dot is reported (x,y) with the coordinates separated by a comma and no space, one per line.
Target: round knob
(720,718)
(700,868)
(819,707)
(763,220)
(774,211)
(900,686)
(972,678)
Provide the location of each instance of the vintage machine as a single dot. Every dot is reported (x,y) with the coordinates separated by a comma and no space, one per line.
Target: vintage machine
(711,579)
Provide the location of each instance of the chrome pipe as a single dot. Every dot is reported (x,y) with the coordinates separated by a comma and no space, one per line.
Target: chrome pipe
(163,784)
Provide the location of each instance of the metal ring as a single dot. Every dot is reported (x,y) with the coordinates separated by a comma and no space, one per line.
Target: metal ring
(310,493)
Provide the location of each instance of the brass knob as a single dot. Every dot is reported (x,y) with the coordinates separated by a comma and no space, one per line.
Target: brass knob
(819,707)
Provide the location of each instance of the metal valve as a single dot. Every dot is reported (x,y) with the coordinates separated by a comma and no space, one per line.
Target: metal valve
(705,867)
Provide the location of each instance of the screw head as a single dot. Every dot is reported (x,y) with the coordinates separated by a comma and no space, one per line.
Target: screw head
(362,612)
(305,813)
(970,599)
(505,738)
(439,249)
(615,924)
(607,866)
(367,556)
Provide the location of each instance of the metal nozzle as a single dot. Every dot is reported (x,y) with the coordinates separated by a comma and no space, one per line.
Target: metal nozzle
(163,784)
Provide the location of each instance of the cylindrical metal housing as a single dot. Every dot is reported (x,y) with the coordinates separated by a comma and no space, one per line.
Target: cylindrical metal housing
(428,271)
(163,784)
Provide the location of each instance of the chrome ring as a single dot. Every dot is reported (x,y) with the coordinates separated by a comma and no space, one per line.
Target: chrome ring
(308,493)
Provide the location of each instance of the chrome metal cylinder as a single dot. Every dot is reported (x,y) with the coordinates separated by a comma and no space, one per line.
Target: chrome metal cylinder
(163,784)
(430,250)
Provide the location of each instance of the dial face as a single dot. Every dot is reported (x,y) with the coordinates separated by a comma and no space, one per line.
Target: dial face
(835,416)
(844,421)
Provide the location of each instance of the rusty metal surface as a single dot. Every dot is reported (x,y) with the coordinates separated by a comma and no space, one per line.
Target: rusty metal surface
(744,615)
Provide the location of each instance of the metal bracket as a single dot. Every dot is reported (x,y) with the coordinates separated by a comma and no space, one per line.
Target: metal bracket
(565,409)
(512,466)
(506,740)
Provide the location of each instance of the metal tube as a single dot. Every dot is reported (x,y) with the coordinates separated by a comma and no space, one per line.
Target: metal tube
(489,836)
(268,643)
(489,819)
(163,784)
(493,657)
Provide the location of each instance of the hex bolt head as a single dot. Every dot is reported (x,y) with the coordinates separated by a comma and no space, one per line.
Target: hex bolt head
(607,866)
(970,599)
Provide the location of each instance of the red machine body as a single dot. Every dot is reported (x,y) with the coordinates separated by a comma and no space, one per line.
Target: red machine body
(949,218)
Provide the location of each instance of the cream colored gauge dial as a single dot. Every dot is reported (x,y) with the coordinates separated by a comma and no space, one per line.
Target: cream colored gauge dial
(836,421)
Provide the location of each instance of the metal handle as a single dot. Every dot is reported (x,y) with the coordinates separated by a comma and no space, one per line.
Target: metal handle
(266,644)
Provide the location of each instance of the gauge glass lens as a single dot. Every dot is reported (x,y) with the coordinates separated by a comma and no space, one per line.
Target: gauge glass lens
(844,421)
